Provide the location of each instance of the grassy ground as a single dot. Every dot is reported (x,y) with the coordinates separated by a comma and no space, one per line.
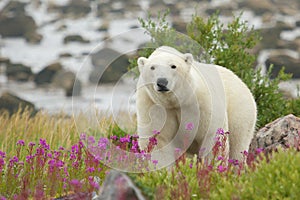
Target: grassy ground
(58,164)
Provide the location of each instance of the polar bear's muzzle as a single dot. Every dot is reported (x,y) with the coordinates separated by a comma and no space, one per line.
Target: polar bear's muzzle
(162,84)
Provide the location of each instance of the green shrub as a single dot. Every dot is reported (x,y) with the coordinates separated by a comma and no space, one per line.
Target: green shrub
(210,41)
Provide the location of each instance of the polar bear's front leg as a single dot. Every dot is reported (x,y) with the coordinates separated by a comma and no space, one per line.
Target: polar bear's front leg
(152,117)
(164,152)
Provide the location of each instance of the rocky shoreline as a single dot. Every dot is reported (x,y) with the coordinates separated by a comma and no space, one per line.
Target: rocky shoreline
(59,37)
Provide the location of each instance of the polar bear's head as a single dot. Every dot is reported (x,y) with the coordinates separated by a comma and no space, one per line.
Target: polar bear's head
(165,69)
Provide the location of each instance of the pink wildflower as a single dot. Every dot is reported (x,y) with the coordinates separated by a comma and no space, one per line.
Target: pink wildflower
(155,162)
(221,168)
(220,131)
(189,126)
(220,158)
(259,150)
(21,143)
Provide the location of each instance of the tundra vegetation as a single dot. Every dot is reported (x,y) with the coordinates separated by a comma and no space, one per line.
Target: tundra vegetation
(43,156)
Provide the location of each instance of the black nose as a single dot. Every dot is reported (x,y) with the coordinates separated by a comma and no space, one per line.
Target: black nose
(162,82)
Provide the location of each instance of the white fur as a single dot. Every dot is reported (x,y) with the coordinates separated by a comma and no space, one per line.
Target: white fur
(208,96)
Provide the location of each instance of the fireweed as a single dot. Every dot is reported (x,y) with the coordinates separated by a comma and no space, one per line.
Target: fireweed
(195,177)
(37,171)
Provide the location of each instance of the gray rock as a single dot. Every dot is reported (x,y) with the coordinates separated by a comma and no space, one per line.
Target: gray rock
(14,7)
(65,55)
(225,9)
(11,103)
(67,81)
(287,7)
(109,65)
(76,8)
(14,22)
(46,75)
(271,36)
(75,38)
(283,132)
(259,7)
(278,60)
(18,72)
(119,186)
(5,61)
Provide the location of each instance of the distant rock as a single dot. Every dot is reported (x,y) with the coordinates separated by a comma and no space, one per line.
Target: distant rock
(65,55)
(117,186)
(180,26)
(109,66)
(224,9)
(11,103)
(279,60)
(75,8)
(297,23)
(259,7)
(291,45)
(283,132)
(104,27)
(103,8)
(14,22)
(287,7)
(13,7)
(46,75)
(18,72)
(67,81)
(75,38)
(271,38)
(5,61)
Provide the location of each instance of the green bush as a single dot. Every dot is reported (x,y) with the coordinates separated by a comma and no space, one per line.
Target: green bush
(210,41)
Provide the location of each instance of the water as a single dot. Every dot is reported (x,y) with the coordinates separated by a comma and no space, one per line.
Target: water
(121,37)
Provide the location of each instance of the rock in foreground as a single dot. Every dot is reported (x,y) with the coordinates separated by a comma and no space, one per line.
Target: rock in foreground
(283,132)
(119,186)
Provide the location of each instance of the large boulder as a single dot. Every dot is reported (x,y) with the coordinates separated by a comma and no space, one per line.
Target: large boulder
(18,72)
(46,75)
(14,22)
(278,60)
(11,103)
(67,81)
(118,185)
(109,66)
(283,132)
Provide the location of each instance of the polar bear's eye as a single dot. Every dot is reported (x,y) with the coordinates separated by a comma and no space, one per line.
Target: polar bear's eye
(173,66)
(152,68)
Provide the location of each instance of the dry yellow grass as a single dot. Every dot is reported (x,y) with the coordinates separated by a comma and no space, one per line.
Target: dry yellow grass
(58,130)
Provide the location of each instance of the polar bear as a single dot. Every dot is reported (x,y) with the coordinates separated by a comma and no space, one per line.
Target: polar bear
(187,101)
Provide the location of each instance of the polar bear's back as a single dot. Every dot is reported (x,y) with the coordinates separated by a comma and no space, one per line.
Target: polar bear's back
(233,94)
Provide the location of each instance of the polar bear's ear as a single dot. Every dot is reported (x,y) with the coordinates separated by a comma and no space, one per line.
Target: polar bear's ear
(141,62)
(188,58)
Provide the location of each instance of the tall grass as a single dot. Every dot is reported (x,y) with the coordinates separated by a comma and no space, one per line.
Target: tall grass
(58,130)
